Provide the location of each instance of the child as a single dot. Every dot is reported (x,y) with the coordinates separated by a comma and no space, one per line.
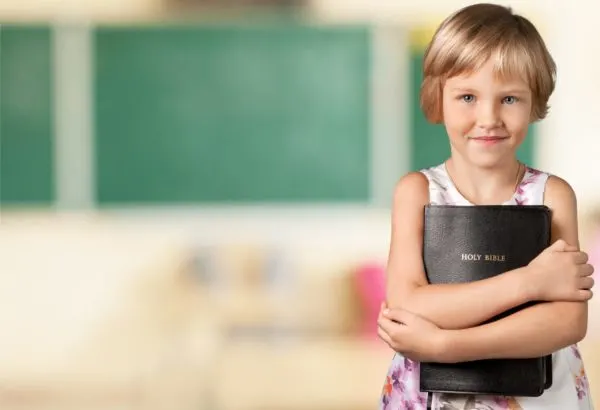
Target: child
(487,76)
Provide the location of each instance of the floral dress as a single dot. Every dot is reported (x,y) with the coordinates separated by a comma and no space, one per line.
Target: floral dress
(569,390)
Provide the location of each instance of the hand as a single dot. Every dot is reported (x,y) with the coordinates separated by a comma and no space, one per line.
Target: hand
(561,272)
(410,335)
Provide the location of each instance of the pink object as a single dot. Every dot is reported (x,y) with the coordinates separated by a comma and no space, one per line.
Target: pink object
(370,280)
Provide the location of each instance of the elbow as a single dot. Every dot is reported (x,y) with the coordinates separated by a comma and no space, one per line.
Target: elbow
(578,323)
(403,299)
(579,332)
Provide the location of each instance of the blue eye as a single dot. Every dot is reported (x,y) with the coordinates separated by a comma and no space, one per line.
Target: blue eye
(468,98)
(510,100)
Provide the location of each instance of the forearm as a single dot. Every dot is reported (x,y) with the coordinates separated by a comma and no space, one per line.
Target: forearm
(460,306)
(539,330)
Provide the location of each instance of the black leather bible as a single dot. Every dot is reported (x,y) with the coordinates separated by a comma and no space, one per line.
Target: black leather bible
(468,243)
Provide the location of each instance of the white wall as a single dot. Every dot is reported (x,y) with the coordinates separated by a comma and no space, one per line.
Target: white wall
(571,144)
(57,10)
(418,11)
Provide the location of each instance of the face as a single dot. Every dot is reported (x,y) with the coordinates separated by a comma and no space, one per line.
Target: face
(486,118)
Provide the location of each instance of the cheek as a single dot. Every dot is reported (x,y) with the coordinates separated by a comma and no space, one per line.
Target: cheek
(517,121)
(457,119)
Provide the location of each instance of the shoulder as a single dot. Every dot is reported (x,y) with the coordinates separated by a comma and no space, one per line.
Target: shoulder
(559,193)
(413,186)
(560,198)
(419,182)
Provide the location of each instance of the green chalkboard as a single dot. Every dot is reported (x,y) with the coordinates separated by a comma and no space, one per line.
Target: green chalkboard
(429,142)
(189,114)
(26,165)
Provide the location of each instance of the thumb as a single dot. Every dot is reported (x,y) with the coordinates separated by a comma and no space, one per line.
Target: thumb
(562,246)
(399,315)
(559,246)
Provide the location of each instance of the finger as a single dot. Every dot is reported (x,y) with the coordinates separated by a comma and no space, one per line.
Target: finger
(390,327)
(580,258)
(380,316)
(558,245)
(385,338)
(570,248)
(585,295)
(586,270)
(395,331)
(399,315)
(586,283)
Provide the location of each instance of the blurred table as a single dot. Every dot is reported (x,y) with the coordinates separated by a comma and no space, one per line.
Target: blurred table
(309,374)
(97,315)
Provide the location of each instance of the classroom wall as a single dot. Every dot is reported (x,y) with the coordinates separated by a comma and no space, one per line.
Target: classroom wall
(186,113)
(567,136)
(202,113)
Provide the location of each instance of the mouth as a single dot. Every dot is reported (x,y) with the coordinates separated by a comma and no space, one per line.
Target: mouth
(489,139)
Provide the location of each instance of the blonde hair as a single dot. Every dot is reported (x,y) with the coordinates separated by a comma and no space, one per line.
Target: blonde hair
(467,39)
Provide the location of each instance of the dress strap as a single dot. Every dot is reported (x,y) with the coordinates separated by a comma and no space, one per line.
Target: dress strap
(532,187)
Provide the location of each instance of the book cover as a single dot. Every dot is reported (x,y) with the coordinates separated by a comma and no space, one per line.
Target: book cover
(468,243)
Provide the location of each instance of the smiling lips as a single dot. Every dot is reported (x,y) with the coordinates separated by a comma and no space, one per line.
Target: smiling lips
(488,139)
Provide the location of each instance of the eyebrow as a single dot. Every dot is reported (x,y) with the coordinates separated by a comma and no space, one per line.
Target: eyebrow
(462,90)
(516,91)
(508,91)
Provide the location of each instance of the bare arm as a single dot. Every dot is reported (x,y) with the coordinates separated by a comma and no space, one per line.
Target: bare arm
(449,306)
(541,329)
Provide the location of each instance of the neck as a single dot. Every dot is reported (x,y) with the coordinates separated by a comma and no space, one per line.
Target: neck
(485,185)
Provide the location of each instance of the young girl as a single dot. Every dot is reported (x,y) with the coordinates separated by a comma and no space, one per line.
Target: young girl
(487,76)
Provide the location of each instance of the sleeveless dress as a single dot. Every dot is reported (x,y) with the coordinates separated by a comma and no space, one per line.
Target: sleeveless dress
(570,389)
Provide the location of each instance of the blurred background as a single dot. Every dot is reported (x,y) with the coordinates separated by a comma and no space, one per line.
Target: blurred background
(196,194)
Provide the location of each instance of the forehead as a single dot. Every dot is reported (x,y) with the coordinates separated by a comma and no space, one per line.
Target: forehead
(489,75)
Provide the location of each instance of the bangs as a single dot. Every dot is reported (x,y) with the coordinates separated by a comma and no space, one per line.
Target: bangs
(511,58)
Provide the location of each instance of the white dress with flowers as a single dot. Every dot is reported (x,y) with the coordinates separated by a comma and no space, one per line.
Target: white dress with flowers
(570,389)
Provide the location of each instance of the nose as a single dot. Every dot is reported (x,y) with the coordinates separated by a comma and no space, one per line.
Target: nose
(488,115)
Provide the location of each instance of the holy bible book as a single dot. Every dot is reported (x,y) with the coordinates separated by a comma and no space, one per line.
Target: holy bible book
(468,243)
